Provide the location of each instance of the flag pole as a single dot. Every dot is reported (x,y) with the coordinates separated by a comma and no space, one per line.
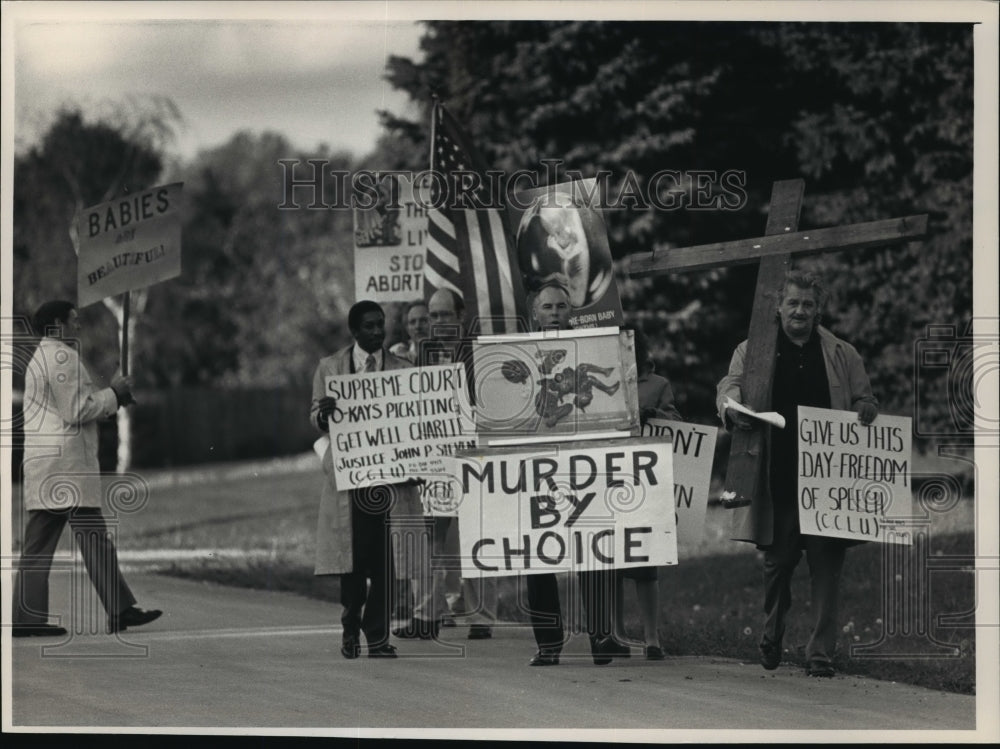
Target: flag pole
(434,107)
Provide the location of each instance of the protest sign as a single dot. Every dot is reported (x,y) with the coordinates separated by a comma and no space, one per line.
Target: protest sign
(390,244)
(555,383)
(694,451)
(440,494)
(561,234)
(575,506)
(129,243)
(397,424)
(854,480)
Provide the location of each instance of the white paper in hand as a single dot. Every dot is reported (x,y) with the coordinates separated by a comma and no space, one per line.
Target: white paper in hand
(768,417)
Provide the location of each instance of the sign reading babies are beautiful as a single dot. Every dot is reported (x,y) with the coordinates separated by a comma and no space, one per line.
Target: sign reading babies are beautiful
(854,480)
(573,506)
(129,243)
(397,424)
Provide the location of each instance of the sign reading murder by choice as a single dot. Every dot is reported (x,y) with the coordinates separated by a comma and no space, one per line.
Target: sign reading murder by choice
(397,424)
(390,243)
(694,450)
(129,243)
(854,480)
(575,506)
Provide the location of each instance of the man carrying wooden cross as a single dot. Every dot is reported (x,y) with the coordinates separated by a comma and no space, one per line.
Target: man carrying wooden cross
(812,368)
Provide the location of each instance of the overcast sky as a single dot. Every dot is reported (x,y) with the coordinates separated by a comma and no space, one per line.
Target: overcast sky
(316,78)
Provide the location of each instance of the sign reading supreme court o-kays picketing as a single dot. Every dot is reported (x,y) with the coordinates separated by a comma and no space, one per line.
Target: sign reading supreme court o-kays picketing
(575,506)
(854,480)
(398,424)
(129,243)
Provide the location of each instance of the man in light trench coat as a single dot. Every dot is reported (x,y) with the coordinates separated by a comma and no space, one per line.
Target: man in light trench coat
(62,477)
(813,368)
(352,538)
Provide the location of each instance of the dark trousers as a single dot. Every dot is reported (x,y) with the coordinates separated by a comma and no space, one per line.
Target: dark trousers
(367,608)
(596,595)
(825,557)
(545,611)
(41,536)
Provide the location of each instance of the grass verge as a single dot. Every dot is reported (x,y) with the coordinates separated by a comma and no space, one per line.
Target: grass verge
(892,625)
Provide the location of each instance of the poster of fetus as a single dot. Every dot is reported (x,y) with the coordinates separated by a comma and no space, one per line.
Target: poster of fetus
(555,383)
(561,235)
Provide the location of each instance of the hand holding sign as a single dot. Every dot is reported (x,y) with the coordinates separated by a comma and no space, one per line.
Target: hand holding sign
(326,409)
(122,385)
(867,412)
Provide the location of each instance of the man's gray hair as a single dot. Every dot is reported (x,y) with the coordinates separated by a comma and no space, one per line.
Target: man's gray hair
(804,280)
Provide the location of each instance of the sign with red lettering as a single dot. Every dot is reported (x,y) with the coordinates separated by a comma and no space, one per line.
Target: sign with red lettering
(129,243)
(854,480)
(390,242)
(568,507)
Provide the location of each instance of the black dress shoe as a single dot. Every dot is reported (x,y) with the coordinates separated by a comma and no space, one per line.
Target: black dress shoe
(597,651)
(37,630)
(820,669)
(770,654)
(382,651)
(545,657)
(480,632)
(350,647)
(133,616)
(616,649)
(604,649)
(654,653)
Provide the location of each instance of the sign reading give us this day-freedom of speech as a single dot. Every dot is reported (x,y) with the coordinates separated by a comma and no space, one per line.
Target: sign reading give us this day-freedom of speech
(129,243)
(854,480)
(575,506)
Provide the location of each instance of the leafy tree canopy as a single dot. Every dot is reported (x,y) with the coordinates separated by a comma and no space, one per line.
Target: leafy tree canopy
(877,117)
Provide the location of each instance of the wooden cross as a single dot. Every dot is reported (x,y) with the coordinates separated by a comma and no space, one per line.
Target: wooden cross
(774,251)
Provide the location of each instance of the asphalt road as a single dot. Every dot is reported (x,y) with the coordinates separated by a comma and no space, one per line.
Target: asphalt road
(233,658)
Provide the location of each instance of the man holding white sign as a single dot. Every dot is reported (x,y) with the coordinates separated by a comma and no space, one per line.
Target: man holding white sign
(352,537)
(813,368)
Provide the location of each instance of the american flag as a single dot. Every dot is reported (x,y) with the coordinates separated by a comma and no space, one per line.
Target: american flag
(470,250)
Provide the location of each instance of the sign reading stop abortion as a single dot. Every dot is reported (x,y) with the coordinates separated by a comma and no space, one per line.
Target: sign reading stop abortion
(854,480)
(575,506)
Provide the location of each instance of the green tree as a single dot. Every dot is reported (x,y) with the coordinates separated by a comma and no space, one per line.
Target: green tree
(81,162)
(876,117)
(264,291)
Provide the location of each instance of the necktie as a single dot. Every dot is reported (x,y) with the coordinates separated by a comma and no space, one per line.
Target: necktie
(370,363)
